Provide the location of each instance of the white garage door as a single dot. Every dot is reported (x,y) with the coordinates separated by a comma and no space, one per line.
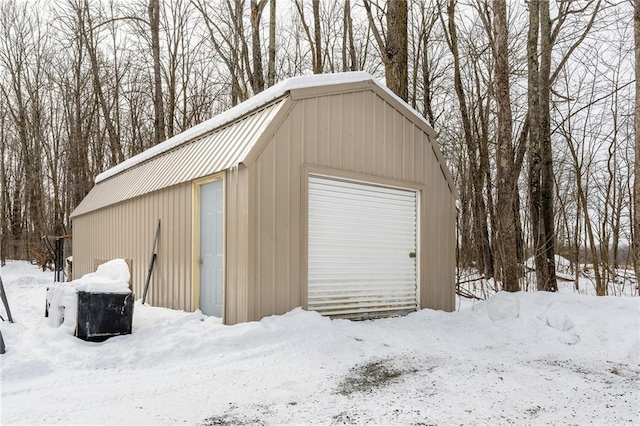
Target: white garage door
(362,249)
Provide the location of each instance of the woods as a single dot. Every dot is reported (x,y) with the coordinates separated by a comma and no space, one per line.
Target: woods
(533,104)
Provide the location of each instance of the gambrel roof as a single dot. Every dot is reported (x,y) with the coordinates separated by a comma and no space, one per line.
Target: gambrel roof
(229,139)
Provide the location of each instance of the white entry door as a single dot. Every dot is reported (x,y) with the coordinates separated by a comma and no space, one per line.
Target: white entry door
(362,249)
(211,250)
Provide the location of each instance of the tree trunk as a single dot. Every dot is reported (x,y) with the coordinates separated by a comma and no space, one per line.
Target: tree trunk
(117,156)
(506,238)
(546,154)
(314,40)
(317,65)
(4,192)
(396,67)
(345,30)
(394,50)
(481,231)
(636,168)
(540,157)
(271,72)
(601,288)
(257,76)
(349,61)
(158,106)
(533,98)
(426,82)
(81,176)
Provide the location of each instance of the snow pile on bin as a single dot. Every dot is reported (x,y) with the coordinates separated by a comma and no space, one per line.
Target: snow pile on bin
(62,299)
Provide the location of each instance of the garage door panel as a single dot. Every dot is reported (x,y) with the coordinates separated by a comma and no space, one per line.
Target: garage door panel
(360,240)
(350,297)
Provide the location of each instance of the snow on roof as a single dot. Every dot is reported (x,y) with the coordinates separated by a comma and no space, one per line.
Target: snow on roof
(203,155)
(263,98)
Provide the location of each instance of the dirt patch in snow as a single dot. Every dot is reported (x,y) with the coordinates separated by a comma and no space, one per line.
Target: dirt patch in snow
(372,375)
(231,420)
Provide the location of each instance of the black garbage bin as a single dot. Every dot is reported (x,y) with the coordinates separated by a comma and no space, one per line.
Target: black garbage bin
(104,315)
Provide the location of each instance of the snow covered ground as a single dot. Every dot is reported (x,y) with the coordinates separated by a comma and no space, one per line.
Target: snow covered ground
(524,358)
(623,284)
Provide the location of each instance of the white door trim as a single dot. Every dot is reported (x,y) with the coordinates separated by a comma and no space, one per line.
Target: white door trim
(195,240)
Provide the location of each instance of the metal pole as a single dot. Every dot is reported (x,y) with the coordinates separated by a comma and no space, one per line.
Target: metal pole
(5,301)
(152,262)
(59,259)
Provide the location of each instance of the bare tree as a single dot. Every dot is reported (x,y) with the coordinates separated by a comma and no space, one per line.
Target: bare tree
(90,40)
(481,228)
(315,40)
(506,177)
(223,33)
(540,81)
(22,56)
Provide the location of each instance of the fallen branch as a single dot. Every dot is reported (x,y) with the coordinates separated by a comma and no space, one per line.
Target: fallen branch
(466,293)
(472,280)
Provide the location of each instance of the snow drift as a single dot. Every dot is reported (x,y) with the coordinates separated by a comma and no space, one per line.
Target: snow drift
(523,358)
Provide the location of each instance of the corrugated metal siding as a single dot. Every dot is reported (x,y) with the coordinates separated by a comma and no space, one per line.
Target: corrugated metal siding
(127,230)
(237,250)
(356,132)
(205,156)
(361,238)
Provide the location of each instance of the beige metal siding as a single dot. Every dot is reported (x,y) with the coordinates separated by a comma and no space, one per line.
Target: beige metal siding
(237,250)
(126,230)
(440,244)
(207,155)
(275,257)
(358,132)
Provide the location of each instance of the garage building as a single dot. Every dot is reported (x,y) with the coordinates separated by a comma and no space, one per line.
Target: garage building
(326,192)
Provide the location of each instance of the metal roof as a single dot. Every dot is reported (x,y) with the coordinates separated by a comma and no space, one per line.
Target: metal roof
(241,110)
(209,154)
(225,141)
